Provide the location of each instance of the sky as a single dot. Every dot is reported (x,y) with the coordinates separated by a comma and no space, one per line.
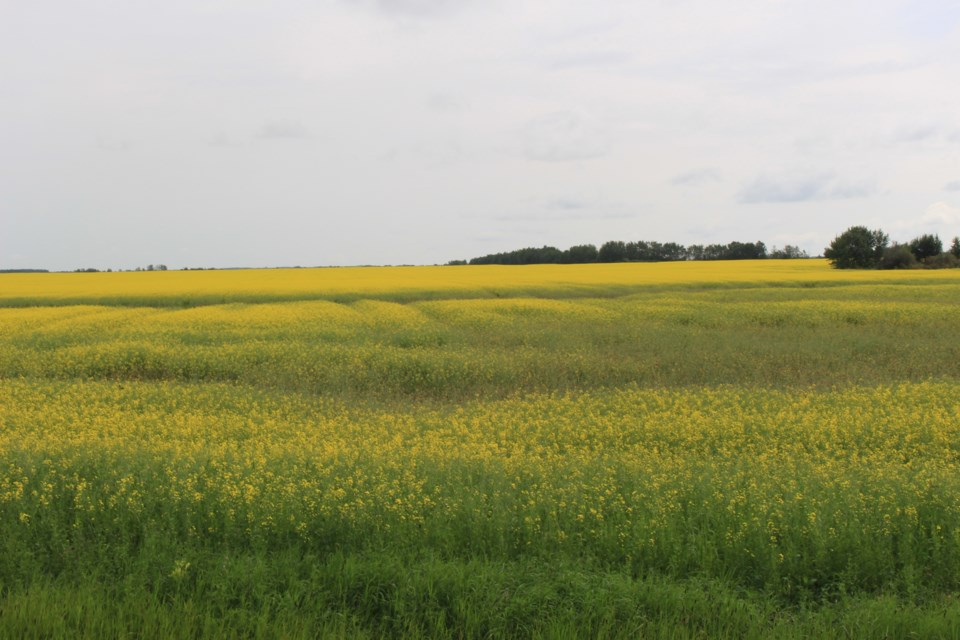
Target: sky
(225,133)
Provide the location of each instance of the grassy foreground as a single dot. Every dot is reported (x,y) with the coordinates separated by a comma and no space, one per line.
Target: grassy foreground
(651,455)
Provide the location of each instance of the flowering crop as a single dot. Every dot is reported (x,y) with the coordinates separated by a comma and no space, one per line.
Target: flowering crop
(636,420)
(189,288)
(778,488)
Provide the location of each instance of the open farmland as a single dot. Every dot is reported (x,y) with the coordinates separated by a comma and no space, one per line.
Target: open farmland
(751,449)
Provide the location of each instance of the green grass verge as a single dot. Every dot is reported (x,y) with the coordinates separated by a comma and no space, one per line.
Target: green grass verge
(286,595)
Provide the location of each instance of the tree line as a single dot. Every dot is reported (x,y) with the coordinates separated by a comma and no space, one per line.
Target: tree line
(862,248)
(639,251)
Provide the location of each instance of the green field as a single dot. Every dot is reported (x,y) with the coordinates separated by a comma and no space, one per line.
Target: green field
(765,450)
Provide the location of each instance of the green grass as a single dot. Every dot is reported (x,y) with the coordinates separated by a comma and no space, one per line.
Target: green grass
(387,596)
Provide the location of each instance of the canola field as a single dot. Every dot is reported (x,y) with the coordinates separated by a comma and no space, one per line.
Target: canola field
(740,449)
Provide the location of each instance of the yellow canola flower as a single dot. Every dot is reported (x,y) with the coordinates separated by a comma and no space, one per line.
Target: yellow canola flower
(618,470)
(459,407)
(406,283)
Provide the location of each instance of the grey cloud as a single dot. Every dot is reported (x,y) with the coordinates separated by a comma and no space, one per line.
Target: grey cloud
(878,67)
(453,86)
(418,8)
(943,214)
(279,130)
(572,209)
(110,143)
(802,188)
(437,153)
(446,103)
(940,218)
(564,136)
(926,133)
(586,214)
(846,190)
(592,59)
(566,204)
(917,134)
(696,177)
(220,140)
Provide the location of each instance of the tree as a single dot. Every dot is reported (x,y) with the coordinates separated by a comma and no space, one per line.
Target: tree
(955,246)
(612,251)
(898,256)
(926,246)
(528,255)
(788,252)
(714,252)
(744,251)
(857,248)
(672,251)
(580,254)
(945,260)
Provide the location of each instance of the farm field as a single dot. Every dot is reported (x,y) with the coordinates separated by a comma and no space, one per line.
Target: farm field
(731,449)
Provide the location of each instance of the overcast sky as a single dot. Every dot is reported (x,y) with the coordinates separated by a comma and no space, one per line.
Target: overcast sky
(335,132)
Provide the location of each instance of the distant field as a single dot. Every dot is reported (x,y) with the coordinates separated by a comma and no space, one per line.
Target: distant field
(749,449)
(403,284)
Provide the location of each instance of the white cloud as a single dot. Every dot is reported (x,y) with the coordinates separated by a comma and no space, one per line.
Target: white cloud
(564,136)
(280,130)
(696,177)
(566,204)
(220,140)
(926,133)
(939,218)
(942,214)
(803,188)
(420,8)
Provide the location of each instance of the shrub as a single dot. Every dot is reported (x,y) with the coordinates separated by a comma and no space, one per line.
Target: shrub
(944,260)
(898,256)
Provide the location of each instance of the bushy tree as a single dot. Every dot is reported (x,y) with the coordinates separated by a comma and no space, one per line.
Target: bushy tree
(926,246)
(612,251)
(580,254)
(955,246)
(644,251)
(673,251)
(744,251)
(857,248)
(898,256)
(945,260)
(528,255)
(789,251)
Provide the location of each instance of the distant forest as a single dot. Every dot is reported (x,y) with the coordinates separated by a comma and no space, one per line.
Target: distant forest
(640,251)
(856,248)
